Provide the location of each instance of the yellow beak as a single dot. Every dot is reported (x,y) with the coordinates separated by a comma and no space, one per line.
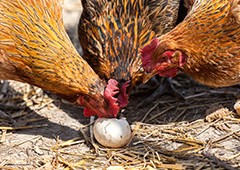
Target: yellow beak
(148,76)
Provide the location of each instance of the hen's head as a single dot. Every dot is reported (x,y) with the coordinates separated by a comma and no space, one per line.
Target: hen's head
(156,59)
(114,98)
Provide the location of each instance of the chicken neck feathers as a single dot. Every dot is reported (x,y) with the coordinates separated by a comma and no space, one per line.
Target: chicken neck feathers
(210,37)
(35,48)
(115,31)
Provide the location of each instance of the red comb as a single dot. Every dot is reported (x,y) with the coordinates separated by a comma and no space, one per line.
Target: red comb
(109,93)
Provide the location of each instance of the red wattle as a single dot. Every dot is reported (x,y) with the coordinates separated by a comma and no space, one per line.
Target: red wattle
(147,52)
(123,96)
(168,73)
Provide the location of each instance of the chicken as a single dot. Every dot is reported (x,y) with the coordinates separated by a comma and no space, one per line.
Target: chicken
(34,48)
(206,45)
(113,32)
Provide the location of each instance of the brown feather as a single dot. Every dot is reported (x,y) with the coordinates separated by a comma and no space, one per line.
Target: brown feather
(35,48)
(115,31)
(210,37)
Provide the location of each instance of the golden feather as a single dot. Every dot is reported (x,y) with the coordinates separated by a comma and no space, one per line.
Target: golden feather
(35,48)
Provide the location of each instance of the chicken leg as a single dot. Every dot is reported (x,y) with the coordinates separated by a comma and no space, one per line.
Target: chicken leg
(165,86)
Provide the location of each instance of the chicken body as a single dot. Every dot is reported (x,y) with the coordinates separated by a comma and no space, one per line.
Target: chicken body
(112,32)
(206,45)
(35,48)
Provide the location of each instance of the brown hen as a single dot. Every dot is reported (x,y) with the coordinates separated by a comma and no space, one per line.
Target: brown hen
(35,48)
(206,45)
(113,32)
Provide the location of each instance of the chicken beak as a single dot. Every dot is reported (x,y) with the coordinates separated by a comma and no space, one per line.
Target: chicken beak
(148,76)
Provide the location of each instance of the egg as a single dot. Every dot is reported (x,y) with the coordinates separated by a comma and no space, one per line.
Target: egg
(112,132)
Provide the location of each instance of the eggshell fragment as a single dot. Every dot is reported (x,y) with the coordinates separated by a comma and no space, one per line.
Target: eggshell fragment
(237,106)
(112,132)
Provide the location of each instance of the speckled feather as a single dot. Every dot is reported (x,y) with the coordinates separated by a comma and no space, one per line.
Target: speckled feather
(35,48)
(116,30)
(210,37)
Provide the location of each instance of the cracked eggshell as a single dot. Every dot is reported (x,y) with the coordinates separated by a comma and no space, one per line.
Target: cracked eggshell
(237,106)
(112,132)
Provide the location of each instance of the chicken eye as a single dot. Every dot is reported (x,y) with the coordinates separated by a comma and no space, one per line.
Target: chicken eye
(164,58)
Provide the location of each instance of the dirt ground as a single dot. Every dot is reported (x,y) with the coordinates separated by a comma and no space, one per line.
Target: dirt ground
(41,131)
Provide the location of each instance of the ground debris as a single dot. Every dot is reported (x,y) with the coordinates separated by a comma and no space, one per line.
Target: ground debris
(38,131)
(217,112)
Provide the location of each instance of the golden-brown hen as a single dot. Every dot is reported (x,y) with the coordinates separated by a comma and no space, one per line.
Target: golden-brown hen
(206,45)
(112,32)
(35,48)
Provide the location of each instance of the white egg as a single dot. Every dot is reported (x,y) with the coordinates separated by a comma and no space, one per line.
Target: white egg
(112,132)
